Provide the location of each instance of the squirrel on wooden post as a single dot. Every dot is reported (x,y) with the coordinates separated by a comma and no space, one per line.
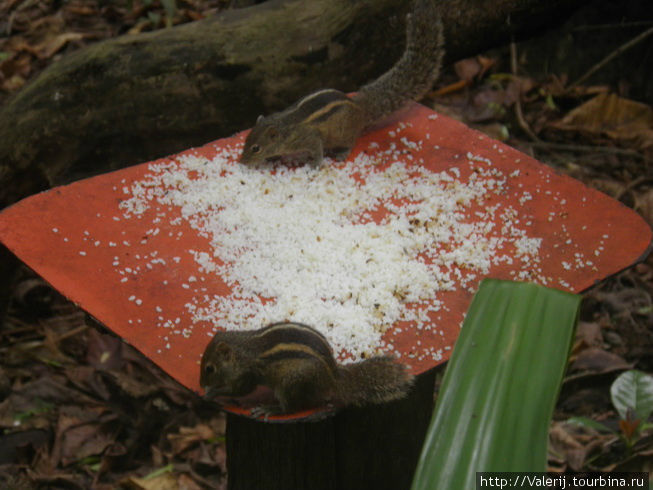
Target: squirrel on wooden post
(329,121)
(297,363)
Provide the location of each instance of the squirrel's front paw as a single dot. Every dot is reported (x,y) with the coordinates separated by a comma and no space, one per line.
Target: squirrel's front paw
(339,154)
(264,411)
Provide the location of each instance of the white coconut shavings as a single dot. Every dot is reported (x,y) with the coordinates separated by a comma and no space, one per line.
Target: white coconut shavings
(304,239)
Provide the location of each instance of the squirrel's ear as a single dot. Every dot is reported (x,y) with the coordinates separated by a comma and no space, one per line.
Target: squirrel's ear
(223,349)
(272,132)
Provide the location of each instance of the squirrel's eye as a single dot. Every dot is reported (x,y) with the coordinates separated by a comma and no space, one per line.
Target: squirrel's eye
(256,148)
(209,369)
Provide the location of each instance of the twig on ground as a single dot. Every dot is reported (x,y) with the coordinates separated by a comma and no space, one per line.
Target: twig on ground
(632,185)
(613,55)
(586,149)
(518,109)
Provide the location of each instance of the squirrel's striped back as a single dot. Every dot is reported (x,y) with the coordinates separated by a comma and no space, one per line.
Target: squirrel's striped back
(287,340)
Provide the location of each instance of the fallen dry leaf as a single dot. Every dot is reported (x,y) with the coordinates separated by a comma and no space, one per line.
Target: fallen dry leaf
(166,481)
(81,433)
(83,441)
(88,379)
(104,351)
(14,70)
(187,483)
(29,405)
(626,301)
(132,386)
(15,447)
(612,116)
(13,83)
(467,69)
(641,460)
(471,68)
(578,444)
(644,205)
(188,436)
(598,361)
(563,443)
(48,47)
(588,334)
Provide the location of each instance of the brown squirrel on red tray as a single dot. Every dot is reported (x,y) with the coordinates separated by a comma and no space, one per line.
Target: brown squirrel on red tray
(296,362)
(328,121)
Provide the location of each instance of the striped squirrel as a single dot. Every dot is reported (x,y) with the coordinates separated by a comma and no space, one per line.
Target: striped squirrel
(296,362)
(330,121)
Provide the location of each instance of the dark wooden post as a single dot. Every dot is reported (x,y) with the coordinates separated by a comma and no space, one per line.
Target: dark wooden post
(373,447)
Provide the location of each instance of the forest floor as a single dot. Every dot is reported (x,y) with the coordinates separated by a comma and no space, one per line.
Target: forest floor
(81,409)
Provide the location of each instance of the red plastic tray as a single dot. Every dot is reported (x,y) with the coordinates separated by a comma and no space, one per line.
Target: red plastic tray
(73,235)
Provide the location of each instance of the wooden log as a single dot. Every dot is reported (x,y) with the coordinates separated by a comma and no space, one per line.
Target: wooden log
(138,97)
(375,447)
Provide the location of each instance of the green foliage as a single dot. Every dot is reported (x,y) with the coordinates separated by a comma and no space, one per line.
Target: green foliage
(500,387)
(170,7)
(154,18)
(161,471)
(632,396)
(550,103)
(633,391)
(40,408)
(592,424)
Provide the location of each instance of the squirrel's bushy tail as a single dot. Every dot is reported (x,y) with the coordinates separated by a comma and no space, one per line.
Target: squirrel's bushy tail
(375,380)
(417,69)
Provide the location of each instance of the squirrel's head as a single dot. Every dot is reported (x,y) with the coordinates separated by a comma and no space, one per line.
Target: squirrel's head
(222,372)
(264,141)
(276,139)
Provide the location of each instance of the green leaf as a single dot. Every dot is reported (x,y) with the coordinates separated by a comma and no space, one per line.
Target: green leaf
(154,18)
(550,103)
(170,7)
(92,462)
(165,469)
(40,407)
(633,390)
(500,387)
(592,424)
